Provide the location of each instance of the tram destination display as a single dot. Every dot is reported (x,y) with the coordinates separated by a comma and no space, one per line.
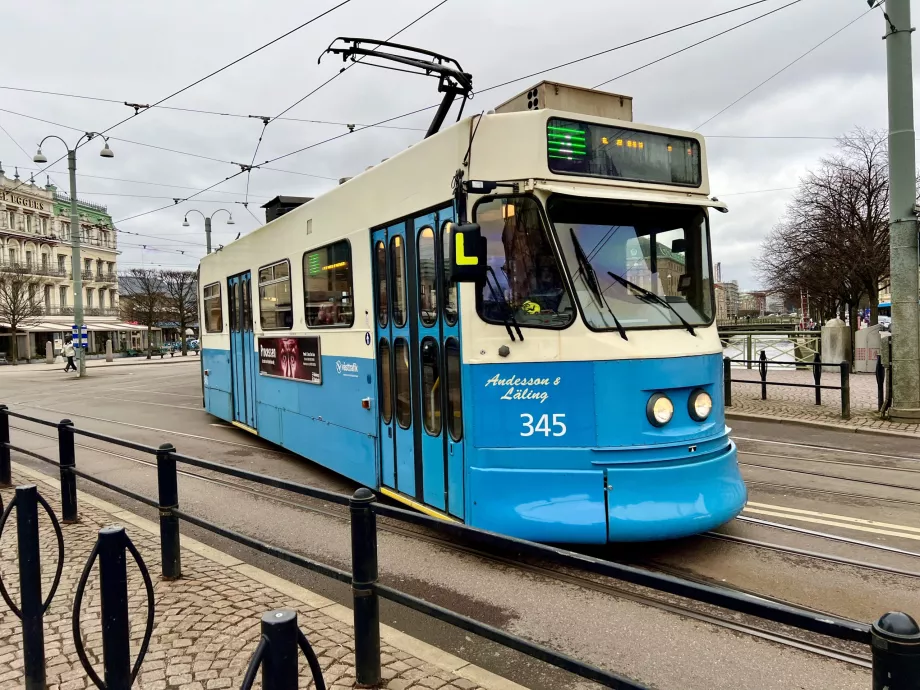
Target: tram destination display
(291,358)
(581,148)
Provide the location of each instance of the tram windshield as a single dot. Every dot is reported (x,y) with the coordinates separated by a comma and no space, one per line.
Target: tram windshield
(619,252)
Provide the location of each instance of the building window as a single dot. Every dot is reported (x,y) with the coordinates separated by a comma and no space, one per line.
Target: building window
(214,319)
(28,258)
(13,256)
(111,268)
(47,298)
(29,226)
(45,262)
(88,265)
(11,220)
(62,264)
(276,311)
(328,296)
(63,295)
(89,297)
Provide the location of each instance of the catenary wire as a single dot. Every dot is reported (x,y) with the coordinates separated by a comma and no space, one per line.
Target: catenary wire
(698,43)
(331,79)
(784,68)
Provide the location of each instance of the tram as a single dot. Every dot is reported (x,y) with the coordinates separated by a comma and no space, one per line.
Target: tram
(508,324)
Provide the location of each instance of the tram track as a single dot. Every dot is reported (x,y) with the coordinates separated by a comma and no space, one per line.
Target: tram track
(725,620)
(843,494)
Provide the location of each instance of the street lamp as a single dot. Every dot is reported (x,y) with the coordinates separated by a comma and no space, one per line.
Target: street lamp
(207,223)
(75,261)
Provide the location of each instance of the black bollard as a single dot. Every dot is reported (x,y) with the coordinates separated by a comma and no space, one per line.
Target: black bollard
(6,477)
(363,579)
(280,663)
(168,490)
(762,366)
(895,653)
(113,590)
(30,587)
(817,373)
(68,461)
(880,381)
(845,390)
(727,380)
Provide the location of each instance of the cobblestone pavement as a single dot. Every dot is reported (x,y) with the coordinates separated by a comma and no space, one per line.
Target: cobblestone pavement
(206,626)
(798,404)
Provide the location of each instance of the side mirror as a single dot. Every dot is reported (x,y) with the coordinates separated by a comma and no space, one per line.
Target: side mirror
(679,246)
(467,254)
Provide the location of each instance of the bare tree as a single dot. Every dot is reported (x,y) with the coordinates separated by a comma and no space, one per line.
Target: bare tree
(143,299)
(833,241)
(182,300)
(20,304)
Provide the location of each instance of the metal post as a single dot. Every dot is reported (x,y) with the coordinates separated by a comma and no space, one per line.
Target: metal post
(903,221)
(363,579)
(727,380)
(750,350)
(113,591)
(845,390)
(762,365)
(880,381)
(817,373)
(207,237)
(6,476)
(280,663)
(168,489)
(68,461)
(76,263)
(30,587)
(895,653)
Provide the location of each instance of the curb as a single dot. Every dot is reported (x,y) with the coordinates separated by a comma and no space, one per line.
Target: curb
(400,640)
(743,416)
(52,368)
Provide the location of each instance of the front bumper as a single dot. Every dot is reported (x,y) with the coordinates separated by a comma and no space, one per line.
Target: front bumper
(644,501)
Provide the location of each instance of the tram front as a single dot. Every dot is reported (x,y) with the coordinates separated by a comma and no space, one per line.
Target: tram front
(606,422)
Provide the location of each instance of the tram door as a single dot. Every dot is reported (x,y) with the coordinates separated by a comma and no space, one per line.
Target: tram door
(418,355)
(242,350)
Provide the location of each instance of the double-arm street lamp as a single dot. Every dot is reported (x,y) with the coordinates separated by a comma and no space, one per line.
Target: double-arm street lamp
(207,223)
(75,261)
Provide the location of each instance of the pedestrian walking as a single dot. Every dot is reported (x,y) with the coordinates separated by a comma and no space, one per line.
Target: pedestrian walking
(69,353)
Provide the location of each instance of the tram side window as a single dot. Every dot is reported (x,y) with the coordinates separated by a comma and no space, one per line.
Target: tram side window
(214,318)
(328,293)
(427,278)
(276,311)
(431,383)
(403,382)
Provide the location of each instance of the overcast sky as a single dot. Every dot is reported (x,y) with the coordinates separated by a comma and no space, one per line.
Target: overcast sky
(141,52)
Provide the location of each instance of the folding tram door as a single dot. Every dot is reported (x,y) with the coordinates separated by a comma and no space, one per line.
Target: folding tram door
(418,360)
(243,366)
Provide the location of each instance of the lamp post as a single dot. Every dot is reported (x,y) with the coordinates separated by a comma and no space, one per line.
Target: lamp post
(75,260)
(207,223)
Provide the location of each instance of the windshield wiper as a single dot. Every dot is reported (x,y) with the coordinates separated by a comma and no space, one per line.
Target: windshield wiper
(509,320)
(590,277)
(648,293)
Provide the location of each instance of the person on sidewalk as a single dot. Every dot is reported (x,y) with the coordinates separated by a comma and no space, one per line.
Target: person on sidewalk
(69,353)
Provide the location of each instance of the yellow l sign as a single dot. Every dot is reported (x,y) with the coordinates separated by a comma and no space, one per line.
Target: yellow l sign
(461,257)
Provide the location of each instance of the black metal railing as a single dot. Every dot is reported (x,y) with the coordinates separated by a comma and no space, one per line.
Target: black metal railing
(894,643)
(763,367)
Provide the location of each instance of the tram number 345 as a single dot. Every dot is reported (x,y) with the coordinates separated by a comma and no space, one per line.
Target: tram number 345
(543,425)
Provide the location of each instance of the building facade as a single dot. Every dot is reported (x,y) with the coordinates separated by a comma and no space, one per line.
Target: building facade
(35,235)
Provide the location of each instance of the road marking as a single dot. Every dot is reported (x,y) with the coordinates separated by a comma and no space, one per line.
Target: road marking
(844,525)
(860,521)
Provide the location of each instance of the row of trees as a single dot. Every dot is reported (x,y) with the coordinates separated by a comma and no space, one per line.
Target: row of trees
(147,297)
(833,241)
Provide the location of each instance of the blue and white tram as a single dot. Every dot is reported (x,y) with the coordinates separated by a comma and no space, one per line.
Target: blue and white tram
(565,387)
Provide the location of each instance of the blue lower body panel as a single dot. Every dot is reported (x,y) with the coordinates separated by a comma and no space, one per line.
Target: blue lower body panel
(638,501)
(673,500)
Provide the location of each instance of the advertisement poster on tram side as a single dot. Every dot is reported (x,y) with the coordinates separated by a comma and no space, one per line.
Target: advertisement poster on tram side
(291,358)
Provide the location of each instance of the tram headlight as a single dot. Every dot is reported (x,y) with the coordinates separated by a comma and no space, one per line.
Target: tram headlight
(700,405)
(659,409)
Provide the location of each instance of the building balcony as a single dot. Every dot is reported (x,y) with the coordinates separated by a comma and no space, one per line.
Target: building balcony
(34,269)
(85,276)
(102,277)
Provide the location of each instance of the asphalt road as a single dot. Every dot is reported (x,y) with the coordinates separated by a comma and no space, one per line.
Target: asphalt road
(837,484)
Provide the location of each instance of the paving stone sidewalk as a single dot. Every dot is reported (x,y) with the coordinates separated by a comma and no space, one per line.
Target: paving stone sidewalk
(206,626)
(798,404)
